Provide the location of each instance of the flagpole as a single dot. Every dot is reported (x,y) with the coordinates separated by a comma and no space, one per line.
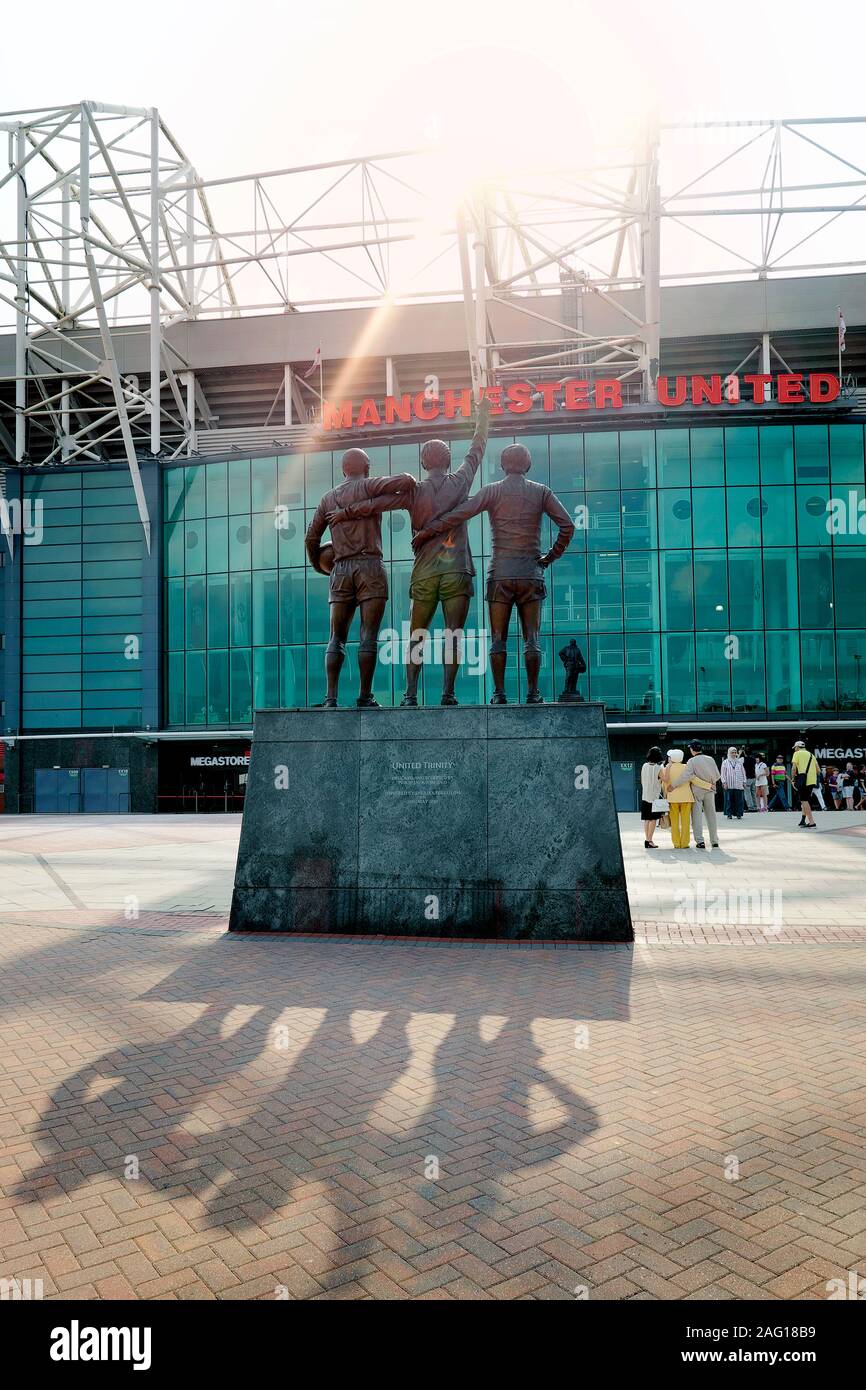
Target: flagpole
(839,340)
(322,385)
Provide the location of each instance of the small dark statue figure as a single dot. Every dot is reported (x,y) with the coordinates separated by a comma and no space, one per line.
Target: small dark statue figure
(572,659)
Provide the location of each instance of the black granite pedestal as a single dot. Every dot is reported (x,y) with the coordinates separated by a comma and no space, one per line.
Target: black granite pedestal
(471,822)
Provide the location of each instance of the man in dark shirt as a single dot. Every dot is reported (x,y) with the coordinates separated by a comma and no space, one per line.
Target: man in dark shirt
(358,578)
(516,571)
(443,570)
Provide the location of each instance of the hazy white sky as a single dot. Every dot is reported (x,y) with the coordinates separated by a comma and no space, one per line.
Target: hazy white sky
(256,85)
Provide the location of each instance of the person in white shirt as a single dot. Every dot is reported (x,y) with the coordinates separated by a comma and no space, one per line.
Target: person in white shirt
(762,781)
(650,791)
(734,783)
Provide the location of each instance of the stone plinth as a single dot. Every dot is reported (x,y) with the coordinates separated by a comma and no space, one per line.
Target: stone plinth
(471,822)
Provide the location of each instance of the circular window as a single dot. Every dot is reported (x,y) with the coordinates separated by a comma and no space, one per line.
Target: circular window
(682,510)
(398,522)
(756,506)
(243,534)
(288,533)
(191,540)
(816,506)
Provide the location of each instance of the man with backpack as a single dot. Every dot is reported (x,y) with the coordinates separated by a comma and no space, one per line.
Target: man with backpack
(804,766)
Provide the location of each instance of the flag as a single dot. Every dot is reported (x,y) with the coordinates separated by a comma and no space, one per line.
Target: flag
(315,364)
(841,332)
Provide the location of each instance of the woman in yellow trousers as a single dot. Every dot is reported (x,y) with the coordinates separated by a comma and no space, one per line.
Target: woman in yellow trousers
(680,799)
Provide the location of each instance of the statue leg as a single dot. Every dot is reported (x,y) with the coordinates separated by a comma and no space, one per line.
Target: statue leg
(422,611)
(530,622)
(500,621)
(455,610)
(341,620)
(372,612)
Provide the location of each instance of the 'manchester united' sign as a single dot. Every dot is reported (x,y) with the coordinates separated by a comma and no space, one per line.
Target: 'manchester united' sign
(519,397)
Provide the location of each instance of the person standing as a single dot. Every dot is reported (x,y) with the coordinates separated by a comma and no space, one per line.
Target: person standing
(749,762)
(849,785)
(703,775)
(762,776)
(804,766)
(734,781)
(679,794)
(650,792)
(779,783)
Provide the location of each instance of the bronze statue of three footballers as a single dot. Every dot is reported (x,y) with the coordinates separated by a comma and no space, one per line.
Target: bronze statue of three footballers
(443,572)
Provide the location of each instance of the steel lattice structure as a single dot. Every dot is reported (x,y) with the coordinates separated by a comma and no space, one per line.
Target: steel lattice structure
(107,231)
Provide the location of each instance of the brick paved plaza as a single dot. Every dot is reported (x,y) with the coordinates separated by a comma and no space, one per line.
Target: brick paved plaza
(375,1119)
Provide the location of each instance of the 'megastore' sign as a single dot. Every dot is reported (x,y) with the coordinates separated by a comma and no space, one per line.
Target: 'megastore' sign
(519,397)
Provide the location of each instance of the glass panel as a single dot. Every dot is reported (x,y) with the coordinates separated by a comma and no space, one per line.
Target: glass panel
(173,541)
(709,518)
(175,688)
(318,619)
(293,677)
(777,453)
(266,631)
(675,519)
(780,589)
(217,543)
(292,606)
(817,655)
(748,694)
(266,678)
(744,516)
(175,611)
(569,592)
(605,594)
(217,610)
(264,484)
(708,457)
(741,455)
(850,571)
(264,549)
(606,670)
(637,458)
(290,475)
(317,470)
(490,470)
(290,539)
(677,595)
(194,491)
(217,687)
(850,651)
(779,520)
(196,688)
(604,520)
(643,673)
(846,518)
(194,547)
(641,591)
(241,673)
(846,454)
(816,588)
(711,590)
(173,494)
(813,515)
(639,529)
(601,455)
(678,650)
(745,581)
(217,477)
(241,627)
(713,674)
(811,456)
(239,486)
(240,546)
(783,671)
(673,458)
(566,462)
(196,629)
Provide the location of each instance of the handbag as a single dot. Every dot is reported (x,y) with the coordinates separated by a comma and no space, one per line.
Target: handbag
(661,804)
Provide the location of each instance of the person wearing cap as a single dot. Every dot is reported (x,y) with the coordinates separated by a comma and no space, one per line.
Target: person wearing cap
(358,578)
(702,775)
(679,795)
(804,766)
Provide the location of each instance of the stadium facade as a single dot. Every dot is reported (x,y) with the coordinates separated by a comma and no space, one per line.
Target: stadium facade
(715,583)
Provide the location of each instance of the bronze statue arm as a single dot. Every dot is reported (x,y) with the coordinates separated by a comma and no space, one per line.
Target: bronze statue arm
(383,502)
(462,512)
(465,474)
(557,513)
